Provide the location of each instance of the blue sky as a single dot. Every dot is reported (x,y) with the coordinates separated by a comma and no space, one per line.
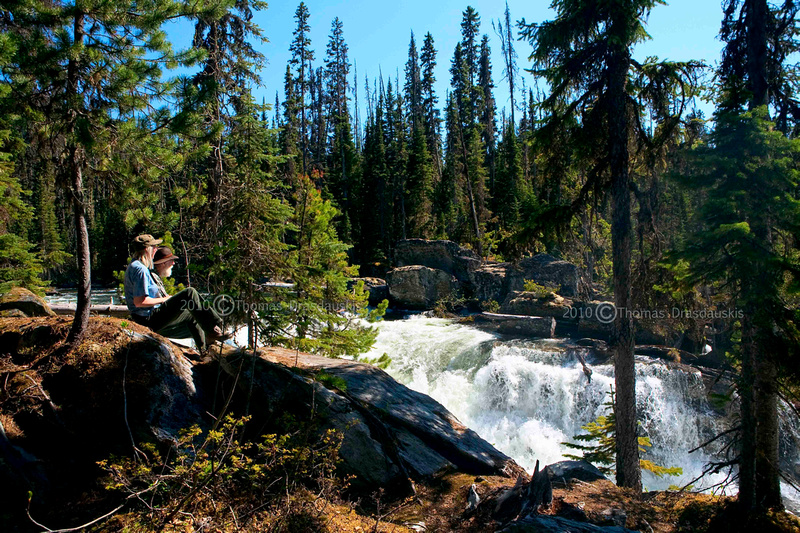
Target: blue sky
(378,33)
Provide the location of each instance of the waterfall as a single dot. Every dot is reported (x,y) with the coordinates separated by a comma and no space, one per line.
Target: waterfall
(528,397)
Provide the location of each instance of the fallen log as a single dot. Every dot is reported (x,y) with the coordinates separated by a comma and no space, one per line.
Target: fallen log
(529,326)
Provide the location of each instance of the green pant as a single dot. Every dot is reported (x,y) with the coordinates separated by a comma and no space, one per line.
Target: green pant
(183,316)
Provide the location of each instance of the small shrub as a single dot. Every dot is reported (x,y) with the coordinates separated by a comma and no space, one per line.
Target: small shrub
(490,306)
(229,481)
(331,381)
(540,291)
(448,306)
(602,433)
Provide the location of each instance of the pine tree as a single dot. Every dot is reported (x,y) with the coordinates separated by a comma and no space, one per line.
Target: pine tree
(487,111)
(342,153)
(585,54)
(302,57)
(510,68)
(19,266)
(413,86)
(431,117)
(748,173)
(290,128)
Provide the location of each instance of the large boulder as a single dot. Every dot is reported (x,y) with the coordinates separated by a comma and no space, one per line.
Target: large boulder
(489,282)
(567,471)
(390,431)
(25,301)
(545,269)
(443,255)
(420,287)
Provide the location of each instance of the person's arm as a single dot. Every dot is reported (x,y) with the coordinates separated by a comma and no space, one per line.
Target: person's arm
(140,279)
(146,301)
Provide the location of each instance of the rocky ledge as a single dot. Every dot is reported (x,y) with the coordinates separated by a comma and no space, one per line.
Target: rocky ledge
(62,412)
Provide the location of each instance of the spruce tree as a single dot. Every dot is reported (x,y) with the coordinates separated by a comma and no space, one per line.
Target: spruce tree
(302,57)
(585,54)
(342,153)
(748,174)
(431,116)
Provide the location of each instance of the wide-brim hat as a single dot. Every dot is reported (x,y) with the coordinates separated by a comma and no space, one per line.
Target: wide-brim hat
(144,240)
(163,255)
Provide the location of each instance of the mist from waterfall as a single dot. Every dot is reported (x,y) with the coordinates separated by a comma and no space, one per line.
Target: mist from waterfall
(528,397)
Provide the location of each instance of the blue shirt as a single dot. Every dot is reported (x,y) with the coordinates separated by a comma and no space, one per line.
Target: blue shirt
(139,283)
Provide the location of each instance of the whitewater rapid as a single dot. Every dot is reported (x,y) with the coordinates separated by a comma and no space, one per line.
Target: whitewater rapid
(529,397)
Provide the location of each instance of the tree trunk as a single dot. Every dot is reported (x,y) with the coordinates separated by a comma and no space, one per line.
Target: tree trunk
(767,479)
(628,470)
(747,453)
(756,22)
(81,320)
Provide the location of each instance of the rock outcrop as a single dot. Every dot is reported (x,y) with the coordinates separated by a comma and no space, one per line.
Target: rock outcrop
(420,287)
(528,303)
(545,269)
(130,385)
(443,255)
(23,300)
(482,281)
(390,432)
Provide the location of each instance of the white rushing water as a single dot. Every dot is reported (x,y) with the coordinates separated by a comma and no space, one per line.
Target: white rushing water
(529,397)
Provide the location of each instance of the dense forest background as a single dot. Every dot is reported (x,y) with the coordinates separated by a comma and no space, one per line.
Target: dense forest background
(611,167)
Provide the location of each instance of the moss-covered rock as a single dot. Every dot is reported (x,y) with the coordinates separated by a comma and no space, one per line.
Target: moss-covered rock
(25,301)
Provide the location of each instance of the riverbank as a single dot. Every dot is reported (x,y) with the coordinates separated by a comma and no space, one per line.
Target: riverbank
(64,412)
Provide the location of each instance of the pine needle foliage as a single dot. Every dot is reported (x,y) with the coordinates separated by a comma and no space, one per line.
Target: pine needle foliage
(601,439)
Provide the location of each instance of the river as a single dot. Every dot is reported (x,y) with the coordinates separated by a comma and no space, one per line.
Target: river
(529,397)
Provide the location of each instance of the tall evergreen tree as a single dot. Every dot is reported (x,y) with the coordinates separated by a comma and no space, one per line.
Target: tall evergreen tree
(510,67)
(302,57)
(748,171)
(342,153)
(413,86)
(487,111)
(585,54)
(431,116)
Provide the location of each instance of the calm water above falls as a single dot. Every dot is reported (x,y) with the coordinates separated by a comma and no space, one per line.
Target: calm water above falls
(529,397)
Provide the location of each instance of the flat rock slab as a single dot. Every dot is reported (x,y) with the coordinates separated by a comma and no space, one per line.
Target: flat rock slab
(428,436)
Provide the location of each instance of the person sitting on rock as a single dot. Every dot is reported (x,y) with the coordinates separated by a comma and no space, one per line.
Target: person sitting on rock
(181,316)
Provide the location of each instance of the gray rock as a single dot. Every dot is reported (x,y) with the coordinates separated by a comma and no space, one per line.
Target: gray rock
(420,287)
(614,517)
(390,431)
(440,254)
(528,326)
(545,269)
(164,392)
(26,302)
(566,471)
(488,282)
(556,524)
